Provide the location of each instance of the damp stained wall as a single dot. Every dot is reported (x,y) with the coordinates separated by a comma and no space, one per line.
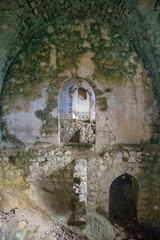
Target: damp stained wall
(125,104)
(120,61)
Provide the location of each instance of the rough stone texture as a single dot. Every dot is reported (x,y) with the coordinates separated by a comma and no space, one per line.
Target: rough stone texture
(51,173)
(77,112)
(26,224)
(136,19)
(51,181)
(74,131)
(123,115)
(113,47)
(96,52)
(24,124)
(80,190)
(99,227)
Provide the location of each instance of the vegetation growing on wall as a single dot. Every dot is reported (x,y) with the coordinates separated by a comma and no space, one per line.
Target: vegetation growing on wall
(74,28)
(32,65)
(69,44)
(125,18)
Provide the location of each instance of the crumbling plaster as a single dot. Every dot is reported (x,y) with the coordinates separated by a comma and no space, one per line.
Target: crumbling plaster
(119,60)
(127,117)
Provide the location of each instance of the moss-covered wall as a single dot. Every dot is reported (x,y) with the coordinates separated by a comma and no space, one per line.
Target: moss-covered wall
(137,20)
(45,174)
(86,50)
(114,46)
(46,44)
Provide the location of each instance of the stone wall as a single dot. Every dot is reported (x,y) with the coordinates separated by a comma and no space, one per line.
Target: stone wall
(125,105)
(80,191)
(114,51)
(127,118)
(20,20)
(50,173)
(75,131)
(76,115)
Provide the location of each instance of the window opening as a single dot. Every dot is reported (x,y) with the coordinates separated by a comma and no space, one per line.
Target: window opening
(77,112)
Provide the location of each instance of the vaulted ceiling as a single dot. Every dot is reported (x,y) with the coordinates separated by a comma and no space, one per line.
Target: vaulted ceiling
(137,20)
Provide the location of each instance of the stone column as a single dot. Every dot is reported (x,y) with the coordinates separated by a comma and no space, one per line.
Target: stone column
(80,190)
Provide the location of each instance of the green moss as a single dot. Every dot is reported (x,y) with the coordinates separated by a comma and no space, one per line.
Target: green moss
(40,143)
(156,126)
(52,103)
(70,49)
(40,114)
(52,90)
(11,138)
(31,67)
(155,138)
(50,125)
(23,162)
(12,159)
(76,199)
(109,89)
(77,180)
(16,169)
(80,147)
(111,67)
(98,92)
(28,67)
(102,102)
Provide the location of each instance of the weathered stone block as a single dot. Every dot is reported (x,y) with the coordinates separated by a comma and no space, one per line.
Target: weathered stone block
(99,227)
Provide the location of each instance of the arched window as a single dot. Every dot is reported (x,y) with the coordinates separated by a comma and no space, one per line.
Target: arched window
(77,112)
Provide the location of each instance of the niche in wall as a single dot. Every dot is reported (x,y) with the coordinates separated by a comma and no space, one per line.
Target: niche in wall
(77,112)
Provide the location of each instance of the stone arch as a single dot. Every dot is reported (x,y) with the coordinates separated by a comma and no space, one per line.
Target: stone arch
(123,199)
(76,111)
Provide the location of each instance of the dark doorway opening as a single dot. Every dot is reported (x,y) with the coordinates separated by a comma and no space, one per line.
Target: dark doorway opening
(123,200)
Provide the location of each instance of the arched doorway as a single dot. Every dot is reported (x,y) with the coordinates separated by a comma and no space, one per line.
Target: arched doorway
(123,198)
(76,110)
